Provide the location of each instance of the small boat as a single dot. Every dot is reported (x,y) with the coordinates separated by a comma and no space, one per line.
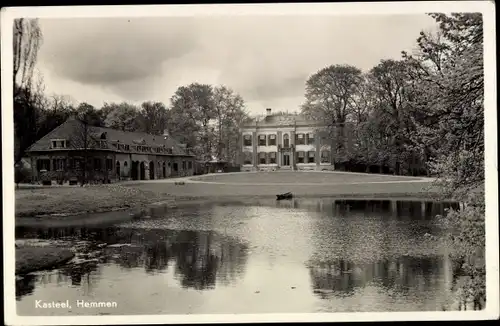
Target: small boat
(287,195)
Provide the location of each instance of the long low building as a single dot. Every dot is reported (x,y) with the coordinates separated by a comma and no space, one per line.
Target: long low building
(286,142)
(110,155)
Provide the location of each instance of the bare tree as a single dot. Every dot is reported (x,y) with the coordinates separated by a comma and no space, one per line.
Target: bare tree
(27,39)
(82,142)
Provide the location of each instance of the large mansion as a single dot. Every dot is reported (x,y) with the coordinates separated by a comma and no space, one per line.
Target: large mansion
(110,154)
(285,141)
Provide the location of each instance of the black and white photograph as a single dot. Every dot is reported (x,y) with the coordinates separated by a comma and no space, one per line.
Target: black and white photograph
(250,163)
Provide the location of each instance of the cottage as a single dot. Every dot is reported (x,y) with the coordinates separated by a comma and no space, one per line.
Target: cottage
(75,150)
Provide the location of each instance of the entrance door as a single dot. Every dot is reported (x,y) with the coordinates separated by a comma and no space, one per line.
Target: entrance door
(142,171)
(151,170)
(286,159)
(118,169)
(135,170)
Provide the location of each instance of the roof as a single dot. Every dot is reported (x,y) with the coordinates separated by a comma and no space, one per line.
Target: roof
(69,130)
(281,120)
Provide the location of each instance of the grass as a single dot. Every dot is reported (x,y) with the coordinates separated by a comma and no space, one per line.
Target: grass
(65,201)
(76,200)
(30,259)
(304,177)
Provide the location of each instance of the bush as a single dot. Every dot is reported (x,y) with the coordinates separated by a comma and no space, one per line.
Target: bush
(22,175)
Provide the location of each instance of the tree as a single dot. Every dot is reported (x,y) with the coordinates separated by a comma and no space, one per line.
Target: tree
(54,112)
(449,88)
(90,114)
(192,109)
(331,95)
(82,141)
(389,84)
(29,105)
(122,116)
(27,39)
(229,115)
(153,117)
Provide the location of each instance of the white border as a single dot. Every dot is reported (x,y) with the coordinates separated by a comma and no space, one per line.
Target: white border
(369,8)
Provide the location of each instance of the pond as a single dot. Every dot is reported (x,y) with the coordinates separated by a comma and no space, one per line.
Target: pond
(291,256)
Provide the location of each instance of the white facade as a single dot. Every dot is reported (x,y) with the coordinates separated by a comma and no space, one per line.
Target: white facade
(274,146)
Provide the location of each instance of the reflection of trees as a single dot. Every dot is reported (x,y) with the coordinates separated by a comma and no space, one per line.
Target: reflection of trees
(341,277)
(157,256)
(25,286)
(201,258)
(206,257)
(78,273)
(96,234)
(399,209)
(195,261)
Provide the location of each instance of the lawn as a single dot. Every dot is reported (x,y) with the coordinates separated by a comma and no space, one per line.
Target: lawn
(302,177)
(74,199)
(101,198)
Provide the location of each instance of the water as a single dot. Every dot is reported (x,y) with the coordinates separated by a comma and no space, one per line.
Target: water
(296,256)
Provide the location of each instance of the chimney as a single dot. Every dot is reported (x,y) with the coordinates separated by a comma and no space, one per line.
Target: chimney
(268,111)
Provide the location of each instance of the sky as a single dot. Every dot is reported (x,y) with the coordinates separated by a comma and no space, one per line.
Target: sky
(265,59)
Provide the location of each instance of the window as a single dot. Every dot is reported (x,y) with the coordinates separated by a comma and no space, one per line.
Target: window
(190,165)
(300,157)
(262,140)
(262,158)
(125,163)
(310,138)
(271,140)
(300,139)
(325,156)
(109,164)
(311,157)
(43,164)
(97,164)
(183,165)
(58,143)
(272,158)
(59,164)
(247,158)
(247,140)
(286,140)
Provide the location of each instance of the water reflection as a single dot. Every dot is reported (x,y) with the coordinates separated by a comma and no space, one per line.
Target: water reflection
(399,209)
(322,251)
(201,259)
(403,275)
(25,285)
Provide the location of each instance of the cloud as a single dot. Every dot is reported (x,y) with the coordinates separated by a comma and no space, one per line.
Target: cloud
(266,59)
(112,51)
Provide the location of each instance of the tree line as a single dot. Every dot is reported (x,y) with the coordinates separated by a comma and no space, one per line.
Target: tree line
(402,114)
(422,113)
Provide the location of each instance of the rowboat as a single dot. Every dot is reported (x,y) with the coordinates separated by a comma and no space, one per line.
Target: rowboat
(287,195)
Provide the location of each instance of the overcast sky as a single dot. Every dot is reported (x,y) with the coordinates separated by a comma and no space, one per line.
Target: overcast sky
(265,59)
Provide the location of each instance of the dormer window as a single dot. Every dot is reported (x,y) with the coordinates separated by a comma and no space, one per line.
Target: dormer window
(58,143)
